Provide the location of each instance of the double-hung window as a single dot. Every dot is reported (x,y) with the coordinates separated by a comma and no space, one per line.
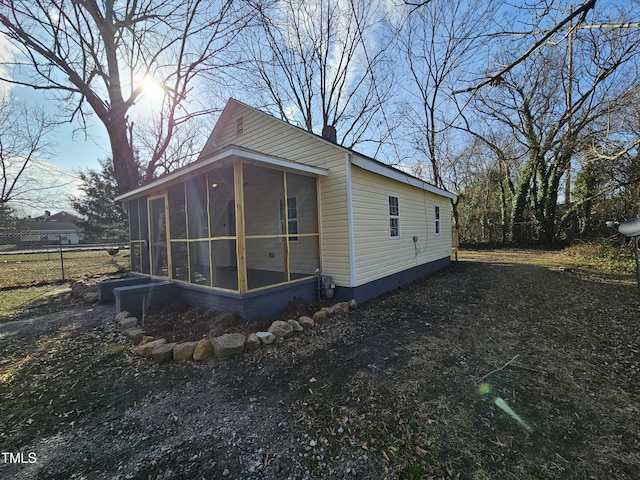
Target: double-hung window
(291,218)
(394,217)
(437,216)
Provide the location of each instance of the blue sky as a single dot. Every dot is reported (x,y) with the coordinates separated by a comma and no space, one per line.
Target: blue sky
(77,150)
(73,150)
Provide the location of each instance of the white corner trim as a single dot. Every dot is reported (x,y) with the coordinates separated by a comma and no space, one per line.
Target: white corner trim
(351,227)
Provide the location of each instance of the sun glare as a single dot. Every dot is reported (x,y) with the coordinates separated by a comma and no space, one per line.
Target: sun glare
(152,89)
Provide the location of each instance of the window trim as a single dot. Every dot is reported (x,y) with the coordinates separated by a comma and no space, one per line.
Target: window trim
(293,237)
(437,219)
(394,217)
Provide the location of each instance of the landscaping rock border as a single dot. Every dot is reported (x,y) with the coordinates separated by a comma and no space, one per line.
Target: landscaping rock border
(223,346)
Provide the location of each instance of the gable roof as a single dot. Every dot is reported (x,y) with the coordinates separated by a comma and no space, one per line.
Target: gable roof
(48,227)
(359,159)
(212,153)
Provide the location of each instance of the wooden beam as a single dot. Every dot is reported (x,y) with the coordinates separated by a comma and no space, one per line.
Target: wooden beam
(241,249)
(287,274)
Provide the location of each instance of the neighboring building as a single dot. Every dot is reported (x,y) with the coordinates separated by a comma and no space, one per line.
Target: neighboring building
(247,226)
(50,229)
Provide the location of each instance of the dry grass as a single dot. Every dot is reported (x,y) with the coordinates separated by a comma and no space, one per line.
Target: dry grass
(22,270)
(14,302)
(417,405)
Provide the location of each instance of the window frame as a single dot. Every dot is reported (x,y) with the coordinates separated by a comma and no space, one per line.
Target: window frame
(293,237)
(394,218)
(437,219)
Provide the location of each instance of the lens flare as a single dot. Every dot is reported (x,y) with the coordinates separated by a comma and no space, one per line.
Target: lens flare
(485,389)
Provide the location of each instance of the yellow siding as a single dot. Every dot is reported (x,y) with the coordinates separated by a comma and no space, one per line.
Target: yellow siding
(269,136)
(377,255)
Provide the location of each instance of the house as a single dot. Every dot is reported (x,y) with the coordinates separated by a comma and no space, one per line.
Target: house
(264,209)
(50,229)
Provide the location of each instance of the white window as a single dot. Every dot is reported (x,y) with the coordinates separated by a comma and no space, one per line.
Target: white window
(394,217)
(437,215)
(292,218)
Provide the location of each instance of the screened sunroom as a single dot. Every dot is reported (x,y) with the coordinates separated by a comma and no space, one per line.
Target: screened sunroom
(238,222)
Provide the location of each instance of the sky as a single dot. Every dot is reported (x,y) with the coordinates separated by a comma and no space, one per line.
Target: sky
(75,150)
(71,152)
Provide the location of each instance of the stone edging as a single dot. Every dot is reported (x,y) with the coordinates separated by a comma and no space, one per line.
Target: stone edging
(224,346)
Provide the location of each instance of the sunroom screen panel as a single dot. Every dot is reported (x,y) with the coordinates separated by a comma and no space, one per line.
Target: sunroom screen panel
(265,262)
(134,220)
(304,257)
(263,189)
(179,261)
(200,263)
(197,207)
(221,202)
(303,190)
(177,212)
(224,268)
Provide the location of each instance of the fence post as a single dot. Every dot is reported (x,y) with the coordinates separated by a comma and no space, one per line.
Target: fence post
(61,256)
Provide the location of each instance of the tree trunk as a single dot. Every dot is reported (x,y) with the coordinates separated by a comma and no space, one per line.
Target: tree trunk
(519,205)
(124,164)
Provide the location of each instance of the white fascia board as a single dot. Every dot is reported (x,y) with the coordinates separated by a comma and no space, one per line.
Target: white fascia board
(398,175)
(279,162)
(230,152)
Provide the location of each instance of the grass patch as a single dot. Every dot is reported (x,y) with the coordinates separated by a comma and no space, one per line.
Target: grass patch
(607,255)
(19,301)
(34,269)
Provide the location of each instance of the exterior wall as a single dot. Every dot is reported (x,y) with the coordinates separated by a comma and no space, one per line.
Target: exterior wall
(133,298)
(370,290)
(48,237)
(378,255)
(106,287)
(250,306)
(270,136)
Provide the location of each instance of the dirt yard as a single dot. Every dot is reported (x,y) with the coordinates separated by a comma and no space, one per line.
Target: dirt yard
(409,385)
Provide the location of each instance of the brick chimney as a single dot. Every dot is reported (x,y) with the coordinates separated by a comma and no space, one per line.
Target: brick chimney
(329,133)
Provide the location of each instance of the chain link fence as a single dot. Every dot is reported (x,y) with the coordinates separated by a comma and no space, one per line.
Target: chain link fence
(27,261)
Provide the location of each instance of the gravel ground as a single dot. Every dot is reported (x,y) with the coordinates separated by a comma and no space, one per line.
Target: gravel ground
(136,419)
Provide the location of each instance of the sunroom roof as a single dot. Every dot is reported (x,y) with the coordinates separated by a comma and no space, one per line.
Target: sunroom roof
(230,152)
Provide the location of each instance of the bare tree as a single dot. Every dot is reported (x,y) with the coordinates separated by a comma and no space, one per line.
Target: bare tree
(439,41)
(24,140)
(323,63)
(97,56)
(538,32)
(554,111)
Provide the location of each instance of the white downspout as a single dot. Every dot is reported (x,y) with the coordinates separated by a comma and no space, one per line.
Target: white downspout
(351,227)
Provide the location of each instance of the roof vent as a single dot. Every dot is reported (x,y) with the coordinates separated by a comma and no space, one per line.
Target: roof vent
(329,133)
(239,126)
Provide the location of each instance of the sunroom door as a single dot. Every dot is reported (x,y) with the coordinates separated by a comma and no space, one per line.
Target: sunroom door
(158,237)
